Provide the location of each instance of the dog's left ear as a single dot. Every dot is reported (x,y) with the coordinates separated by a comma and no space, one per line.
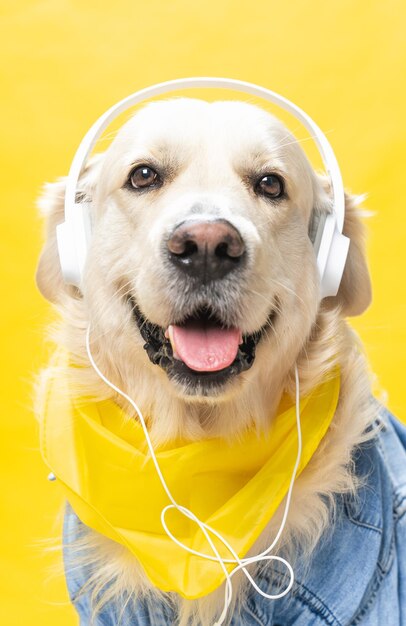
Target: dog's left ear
(48,276)
(354,294)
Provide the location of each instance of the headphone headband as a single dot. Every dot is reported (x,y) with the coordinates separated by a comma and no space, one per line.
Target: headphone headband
(93,134)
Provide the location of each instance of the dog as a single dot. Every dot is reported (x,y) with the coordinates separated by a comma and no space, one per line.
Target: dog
(202,215)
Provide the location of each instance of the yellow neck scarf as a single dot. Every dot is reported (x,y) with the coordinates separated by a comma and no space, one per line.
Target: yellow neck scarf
(100,459)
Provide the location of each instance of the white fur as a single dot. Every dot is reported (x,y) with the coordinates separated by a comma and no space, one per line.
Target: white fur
(210,151)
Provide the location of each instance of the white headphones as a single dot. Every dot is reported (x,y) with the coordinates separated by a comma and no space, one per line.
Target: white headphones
(73,235)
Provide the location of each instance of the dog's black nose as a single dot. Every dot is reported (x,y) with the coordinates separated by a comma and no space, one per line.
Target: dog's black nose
(206,250)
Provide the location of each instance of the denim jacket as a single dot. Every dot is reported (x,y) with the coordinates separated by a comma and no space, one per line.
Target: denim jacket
(357,575)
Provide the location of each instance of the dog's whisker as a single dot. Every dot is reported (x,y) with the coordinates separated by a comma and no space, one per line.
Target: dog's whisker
(297,141)
(97,325)
(290,290)
(108,136)
(284,286)
(105,310)
(275,306)
(116,293)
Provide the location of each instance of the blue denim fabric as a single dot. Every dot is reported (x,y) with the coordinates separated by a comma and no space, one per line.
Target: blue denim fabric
(357,575)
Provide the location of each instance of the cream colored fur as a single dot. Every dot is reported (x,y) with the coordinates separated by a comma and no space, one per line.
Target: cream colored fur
(210,152)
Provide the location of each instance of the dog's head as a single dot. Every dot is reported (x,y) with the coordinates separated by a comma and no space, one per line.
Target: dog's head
(201,269)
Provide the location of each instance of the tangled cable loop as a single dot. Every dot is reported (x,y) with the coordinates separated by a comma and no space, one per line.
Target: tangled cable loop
(241,564)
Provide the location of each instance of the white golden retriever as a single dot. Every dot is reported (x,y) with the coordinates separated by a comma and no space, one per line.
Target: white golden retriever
(202,214)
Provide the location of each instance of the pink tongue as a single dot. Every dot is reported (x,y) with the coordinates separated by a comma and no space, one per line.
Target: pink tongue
(204,348)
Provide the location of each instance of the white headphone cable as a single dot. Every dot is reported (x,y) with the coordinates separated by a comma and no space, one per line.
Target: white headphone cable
(240,563)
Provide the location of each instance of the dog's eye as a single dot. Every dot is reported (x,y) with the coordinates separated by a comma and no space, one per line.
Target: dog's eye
(143,176)
(270,186)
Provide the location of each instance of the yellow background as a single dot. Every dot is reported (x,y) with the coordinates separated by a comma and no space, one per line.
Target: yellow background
(63,63)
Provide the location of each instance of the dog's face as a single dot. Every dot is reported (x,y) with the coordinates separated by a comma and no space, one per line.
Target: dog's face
(201,266)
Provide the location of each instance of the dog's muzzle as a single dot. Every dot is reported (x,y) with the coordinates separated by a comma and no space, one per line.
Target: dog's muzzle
(160,351)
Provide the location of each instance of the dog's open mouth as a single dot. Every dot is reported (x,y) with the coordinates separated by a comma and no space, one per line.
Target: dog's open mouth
(199,352)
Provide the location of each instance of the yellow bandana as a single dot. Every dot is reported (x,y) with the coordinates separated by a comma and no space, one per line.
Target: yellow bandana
(101,461)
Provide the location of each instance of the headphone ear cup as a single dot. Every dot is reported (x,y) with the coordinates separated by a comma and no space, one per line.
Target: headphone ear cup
(73,238)
(331,248)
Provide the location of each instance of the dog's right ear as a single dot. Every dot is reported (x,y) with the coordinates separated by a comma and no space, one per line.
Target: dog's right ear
(354,293)
(48,276)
